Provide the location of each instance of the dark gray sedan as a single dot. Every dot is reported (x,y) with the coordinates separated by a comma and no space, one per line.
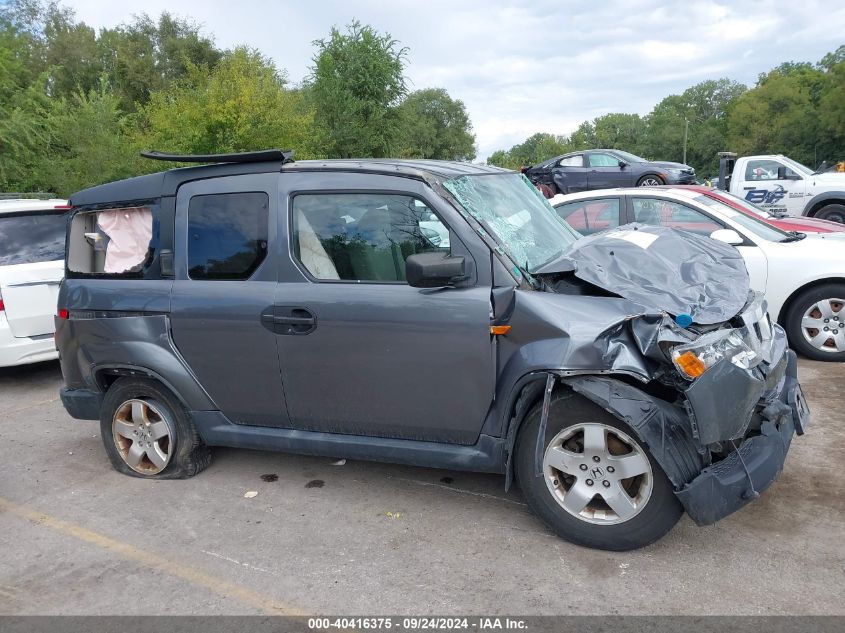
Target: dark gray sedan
(606,168)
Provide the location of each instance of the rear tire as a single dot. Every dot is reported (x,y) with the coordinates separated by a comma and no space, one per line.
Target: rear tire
(650,180)
(805,322)
(148,433)
(832,213)
(647,505)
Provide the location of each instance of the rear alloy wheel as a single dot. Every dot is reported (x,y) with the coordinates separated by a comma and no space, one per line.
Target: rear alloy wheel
(832,213)
(815,323)
(143,436)
(148,433)
(649,181)
(597,485)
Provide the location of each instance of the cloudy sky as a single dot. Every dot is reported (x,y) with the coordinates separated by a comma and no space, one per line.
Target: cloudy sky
(531,66)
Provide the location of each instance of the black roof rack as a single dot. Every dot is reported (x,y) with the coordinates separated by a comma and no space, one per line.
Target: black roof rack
(286,156)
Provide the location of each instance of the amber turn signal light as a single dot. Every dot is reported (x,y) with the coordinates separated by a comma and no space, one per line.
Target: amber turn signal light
(690,364)
(500,330)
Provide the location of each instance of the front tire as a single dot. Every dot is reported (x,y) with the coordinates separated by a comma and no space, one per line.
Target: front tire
(148,433)
(650,180)
(599,485)
(815,323)
(832,213)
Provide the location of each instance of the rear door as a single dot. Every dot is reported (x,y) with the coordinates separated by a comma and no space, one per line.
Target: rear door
(570,174)
(225,284)
(32,251)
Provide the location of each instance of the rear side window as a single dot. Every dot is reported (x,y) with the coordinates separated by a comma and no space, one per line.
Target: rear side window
(31,238)
(227,235)
(121,241)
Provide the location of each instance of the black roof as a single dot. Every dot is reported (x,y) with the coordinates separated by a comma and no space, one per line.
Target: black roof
(166,183)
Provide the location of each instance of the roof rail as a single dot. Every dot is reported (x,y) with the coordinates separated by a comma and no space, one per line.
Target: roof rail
(286,156)
(36,195)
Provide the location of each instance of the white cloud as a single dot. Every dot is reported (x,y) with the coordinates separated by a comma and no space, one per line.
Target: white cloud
(528,67)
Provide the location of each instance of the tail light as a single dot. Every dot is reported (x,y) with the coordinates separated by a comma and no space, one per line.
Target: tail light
(63,313)
(2,305)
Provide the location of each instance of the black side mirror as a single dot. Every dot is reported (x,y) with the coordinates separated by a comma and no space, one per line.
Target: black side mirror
(622,164)
(781,173)
(433,270)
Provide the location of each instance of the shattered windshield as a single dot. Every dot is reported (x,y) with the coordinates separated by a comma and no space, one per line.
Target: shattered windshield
(517,216)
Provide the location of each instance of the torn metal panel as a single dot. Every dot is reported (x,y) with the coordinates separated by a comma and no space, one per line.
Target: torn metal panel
(664,269)
(722,401)
(662,426)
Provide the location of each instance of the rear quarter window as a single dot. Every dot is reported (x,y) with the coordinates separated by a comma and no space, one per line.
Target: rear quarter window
(32,237)
(120,241)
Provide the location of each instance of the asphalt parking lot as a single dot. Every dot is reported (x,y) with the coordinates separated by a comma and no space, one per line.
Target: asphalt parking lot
(364,538)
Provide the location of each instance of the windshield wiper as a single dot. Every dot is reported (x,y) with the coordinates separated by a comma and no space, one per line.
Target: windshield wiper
(794,236)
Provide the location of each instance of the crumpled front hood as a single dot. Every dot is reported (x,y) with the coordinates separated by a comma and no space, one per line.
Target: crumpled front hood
(664,269)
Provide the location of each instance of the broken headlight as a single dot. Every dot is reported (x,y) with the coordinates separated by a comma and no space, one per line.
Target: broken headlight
(693,359)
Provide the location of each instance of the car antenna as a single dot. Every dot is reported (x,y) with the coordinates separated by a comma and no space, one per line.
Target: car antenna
(264,155)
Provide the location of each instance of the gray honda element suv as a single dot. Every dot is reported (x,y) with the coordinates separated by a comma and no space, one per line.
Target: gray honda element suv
(428,313)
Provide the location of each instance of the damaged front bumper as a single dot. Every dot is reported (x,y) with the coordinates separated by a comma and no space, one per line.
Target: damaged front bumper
(727,485)
(749,417)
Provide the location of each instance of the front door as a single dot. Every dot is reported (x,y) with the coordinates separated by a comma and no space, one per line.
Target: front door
(362,352)
(604,171)
(226,277)
(773,185)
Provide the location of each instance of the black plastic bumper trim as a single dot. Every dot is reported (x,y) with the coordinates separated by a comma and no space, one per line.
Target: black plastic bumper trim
(82,404)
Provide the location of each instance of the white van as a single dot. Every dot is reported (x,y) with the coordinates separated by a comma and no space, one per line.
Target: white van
(32,251)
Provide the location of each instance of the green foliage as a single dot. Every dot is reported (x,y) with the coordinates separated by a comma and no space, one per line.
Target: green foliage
(241,104)
(88,143)
(433,125)
(356,86)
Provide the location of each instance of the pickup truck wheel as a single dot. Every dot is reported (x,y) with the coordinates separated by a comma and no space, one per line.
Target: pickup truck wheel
(815,323)
(832,213)
(598,486)
(650,181)
(148,433)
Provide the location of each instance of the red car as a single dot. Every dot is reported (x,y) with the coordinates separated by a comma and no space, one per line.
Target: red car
(784,223)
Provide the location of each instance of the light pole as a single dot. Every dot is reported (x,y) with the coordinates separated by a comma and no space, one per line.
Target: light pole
(686,134)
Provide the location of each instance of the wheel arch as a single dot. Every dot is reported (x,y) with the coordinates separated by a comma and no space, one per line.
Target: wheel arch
(679,460)
(821,200)
(787,304)
(654,174)
(106,375)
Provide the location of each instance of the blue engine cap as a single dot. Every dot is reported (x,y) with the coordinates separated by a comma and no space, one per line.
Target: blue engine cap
(684,320)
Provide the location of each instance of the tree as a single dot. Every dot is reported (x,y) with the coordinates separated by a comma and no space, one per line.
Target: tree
(146,56)
(89,142)
(433,125)
(242,104)
(356,84)
(780,115)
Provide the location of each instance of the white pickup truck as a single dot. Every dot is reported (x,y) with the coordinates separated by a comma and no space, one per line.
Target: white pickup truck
(783,185)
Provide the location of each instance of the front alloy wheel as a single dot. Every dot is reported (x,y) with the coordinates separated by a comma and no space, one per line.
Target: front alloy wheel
(650,181)
(593,481)
(598,473)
